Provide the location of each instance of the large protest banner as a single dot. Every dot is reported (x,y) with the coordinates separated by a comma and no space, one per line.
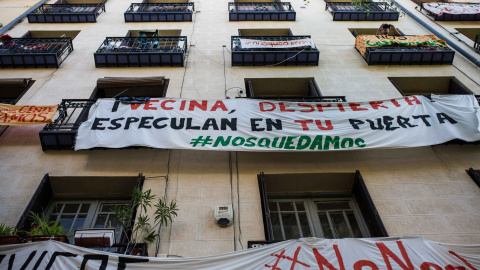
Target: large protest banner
(261,125)
(394,253)
(16,115)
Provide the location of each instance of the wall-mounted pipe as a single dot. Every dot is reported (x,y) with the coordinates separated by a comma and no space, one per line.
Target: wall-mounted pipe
(450,43)
(19,18)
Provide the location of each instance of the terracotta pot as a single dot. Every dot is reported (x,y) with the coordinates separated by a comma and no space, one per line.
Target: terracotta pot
(39,238)
(9,240)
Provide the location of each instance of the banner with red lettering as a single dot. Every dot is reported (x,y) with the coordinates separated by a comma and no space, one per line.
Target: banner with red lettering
(266,125)
(275,44)
(405,253)
(439,8)
(17,115)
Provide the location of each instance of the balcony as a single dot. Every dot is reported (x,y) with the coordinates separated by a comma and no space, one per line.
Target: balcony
(297,56)
(403,50)
(261,12)
(441,11)
(66,13)
(34,52)
(159,12)
(141,52)
(368,11)
(60,135)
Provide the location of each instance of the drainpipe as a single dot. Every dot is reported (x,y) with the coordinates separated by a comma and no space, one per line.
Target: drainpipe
(17,20)
(469,56)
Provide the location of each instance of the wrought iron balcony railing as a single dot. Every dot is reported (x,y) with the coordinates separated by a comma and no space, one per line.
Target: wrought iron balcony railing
(60,135)
(367,11)
(141,51)
(159,12)
(397,55)
(261,12)
(66,13)
(297,56)
(34,52)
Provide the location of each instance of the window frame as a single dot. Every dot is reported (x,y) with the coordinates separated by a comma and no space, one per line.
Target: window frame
(312,211)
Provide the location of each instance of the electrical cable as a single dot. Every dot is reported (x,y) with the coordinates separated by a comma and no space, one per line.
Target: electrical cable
(224,71)
(157,244)
(186,60)
(238,201)
(231,198)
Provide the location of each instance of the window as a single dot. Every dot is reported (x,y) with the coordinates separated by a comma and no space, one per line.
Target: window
(11,90)
(308,217)
(51,34)
(326,205)
(285,89)
(265,32)
(429,85)
(73,215)
(110,87)
(371,31)
(80,201)
(154,33)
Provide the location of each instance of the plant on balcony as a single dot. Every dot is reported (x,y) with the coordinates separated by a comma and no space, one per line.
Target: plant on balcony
(143,230)
(44,230)
(8,235)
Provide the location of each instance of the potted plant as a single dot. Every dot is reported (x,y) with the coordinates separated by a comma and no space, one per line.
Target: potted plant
(142,229)
(8,235)
(44,230)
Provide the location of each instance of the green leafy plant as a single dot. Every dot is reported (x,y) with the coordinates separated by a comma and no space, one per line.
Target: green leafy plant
(365,5)
(42,226)
(7,230)
(143,230)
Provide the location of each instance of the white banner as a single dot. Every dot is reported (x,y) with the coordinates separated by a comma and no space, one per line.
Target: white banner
(452,8)
(261,125)
(407,253)
(275,44)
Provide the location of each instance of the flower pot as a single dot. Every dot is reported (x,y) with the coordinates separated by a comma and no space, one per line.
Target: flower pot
(9,240)
(39,238)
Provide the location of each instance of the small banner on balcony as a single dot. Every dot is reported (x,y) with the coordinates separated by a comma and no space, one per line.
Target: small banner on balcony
(19,115)
(298,254)
(265,125)
(452,8)
(364,41)
(276,44)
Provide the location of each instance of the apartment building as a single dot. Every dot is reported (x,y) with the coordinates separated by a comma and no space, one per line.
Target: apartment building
(195,50)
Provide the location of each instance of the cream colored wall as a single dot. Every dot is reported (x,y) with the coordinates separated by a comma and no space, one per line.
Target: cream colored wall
(417,191)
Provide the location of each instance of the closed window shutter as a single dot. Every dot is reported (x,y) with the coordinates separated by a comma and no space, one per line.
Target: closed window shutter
(475,176)
(39,202)
(368,209)
(267,222)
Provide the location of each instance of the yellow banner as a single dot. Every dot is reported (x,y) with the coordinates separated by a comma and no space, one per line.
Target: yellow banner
(18,115)
(364,41)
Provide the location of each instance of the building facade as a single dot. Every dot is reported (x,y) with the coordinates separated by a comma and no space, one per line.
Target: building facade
(425,191)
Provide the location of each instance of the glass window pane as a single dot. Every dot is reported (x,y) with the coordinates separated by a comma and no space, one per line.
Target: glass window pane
(277,230)
(272,206)
(340,224)
(84,208)
(290,226)
(304,225)
(326,206)
(66,221)
(354,225)
(286,206)
(327,231)
(107,207)
(79,222)
(300,206)
(101,221)
(71,208)
(57,208)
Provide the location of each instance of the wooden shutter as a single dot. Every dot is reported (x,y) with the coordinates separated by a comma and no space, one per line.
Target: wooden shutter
(367,207)
(39,202)
(475,176)
(267,222)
